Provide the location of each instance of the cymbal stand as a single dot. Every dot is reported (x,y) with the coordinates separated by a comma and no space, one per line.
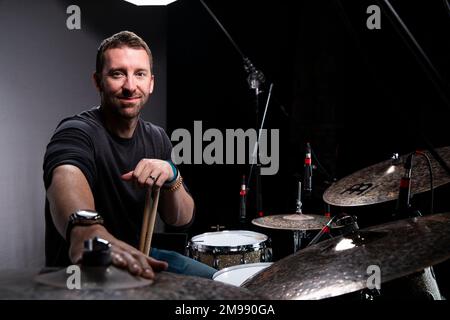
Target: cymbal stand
(299,205)
(299,235)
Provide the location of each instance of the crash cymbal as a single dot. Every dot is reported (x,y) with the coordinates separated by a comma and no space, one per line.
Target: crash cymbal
(342,265)
(293,221)
(380,182)
(19,285)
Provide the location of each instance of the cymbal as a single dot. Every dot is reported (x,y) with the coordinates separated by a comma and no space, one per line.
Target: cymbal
(293,221)
(380,182)
(341,265)
(19,285)
(93,278)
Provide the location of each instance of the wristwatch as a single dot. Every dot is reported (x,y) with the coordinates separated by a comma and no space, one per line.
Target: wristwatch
(82,218)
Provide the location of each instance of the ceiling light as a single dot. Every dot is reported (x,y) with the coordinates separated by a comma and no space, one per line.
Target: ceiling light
(151,2)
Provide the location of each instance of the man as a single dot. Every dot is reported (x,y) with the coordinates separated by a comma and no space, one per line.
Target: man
(99,164)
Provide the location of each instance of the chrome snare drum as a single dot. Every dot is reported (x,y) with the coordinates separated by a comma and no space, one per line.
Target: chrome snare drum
(223,249)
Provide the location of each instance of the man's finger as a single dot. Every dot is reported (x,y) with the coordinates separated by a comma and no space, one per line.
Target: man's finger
(147,269)
(117,260)
(157,265)
(133,265)
(128,176)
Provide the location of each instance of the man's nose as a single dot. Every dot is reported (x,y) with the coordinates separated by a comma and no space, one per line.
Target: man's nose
(130,84)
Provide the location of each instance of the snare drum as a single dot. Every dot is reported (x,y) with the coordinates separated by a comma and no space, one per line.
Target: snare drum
(224,249)
(238,274)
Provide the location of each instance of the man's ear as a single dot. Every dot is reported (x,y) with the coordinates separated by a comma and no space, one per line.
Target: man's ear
(97,81)
(152,84)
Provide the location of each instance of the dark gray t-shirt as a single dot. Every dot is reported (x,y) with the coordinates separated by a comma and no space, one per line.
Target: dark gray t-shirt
(84,141)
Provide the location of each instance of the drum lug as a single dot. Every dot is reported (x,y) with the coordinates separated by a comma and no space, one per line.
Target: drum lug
(216,262)
(192,253)
(243,259)
(269,255)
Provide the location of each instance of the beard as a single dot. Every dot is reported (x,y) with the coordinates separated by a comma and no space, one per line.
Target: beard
(124,109)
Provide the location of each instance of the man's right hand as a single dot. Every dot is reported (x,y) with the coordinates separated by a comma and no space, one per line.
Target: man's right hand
(123,255)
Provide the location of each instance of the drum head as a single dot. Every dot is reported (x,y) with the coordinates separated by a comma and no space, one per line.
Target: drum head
(238,274)
(228,239)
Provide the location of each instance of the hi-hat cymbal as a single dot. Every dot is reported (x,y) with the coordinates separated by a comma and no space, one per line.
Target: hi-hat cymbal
(94,278)
(19,285)
(380,182)
(293,221)
(341,265)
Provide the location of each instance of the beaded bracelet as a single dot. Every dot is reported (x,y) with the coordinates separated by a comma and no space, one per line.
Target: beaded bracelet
(176,185)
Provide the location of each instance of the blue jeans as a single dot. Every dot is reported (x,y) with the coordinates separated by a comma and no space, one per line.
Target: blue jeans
(182,264)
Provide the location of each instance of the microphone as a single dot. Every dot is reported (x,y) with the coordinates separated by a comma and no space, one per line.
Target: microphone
(243,196)
(404,194)
(307,177)
(325,230)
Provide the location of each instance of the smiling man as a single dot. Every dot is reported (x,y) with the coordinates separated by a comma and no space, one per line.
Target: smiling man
(96,159)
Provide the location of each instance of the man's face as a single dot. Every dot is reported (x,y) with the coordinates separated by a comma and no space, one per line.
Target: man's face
(126,81)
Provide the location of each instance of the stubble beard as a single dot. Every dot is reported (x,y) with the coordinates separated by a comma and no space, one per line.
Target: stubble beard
(124,110)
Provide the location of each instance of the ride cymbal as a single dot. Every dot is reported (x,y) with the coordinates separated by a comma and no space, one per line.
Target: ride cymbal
(380,182)
(293,221)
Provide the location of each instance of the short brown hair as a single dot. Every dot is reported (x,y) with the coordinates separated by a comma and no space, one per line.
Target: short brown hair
(119,40)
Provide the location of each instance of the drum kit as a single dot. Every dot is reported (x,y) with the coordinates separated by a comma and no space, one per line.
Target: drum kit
(356,261)
(402,250)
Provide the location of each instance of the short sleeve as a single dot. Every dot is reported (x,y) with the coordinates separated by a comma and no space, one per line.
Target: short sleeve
(166,144)
(71,144)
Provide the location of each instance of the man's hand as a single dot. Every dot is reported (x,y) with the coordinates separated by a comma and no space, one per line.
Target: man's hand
(150,172)
(176,207)
(123,255)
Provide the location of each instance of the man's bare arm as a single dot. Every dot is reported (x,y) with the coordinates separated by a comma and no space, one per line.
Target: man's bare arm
(69,191)
(177,207)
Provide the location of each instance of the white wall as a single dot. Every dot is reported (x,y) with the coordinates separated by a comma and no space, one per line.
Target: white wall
(45,74)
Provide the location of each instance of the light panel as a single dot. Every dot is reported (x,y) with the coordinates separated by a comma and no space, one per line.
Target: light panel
(151,2)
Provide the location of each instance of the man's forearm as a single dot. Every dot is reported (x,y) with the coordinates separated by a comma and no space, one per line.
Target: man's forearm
(69,191)
(176,207)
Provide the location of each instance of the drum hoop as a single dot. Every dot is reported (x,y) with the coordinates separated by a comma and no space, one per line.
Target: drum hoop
(241,266)
(228,249)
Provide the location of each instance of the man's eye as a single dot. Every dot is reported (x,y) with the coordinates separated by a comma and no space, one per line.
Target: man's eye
(117,74)
(141,74)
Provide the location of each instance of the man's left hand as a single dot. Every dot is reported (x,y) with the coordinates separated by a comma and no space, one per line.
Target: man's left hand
(150,172)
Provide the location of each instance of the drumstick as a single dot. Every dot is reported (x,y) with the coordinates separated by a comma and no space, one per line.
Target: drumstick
(145,219)
(148,223)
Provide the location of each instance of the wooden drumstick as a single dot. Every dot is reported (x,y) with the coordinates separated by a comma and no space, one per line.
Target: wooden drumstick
(148,222)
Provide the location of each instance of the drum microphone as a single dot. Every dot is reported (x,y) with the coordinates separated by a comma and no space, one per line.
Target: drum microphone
(325,230)
(404,194)
(307,178)
(243,196)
